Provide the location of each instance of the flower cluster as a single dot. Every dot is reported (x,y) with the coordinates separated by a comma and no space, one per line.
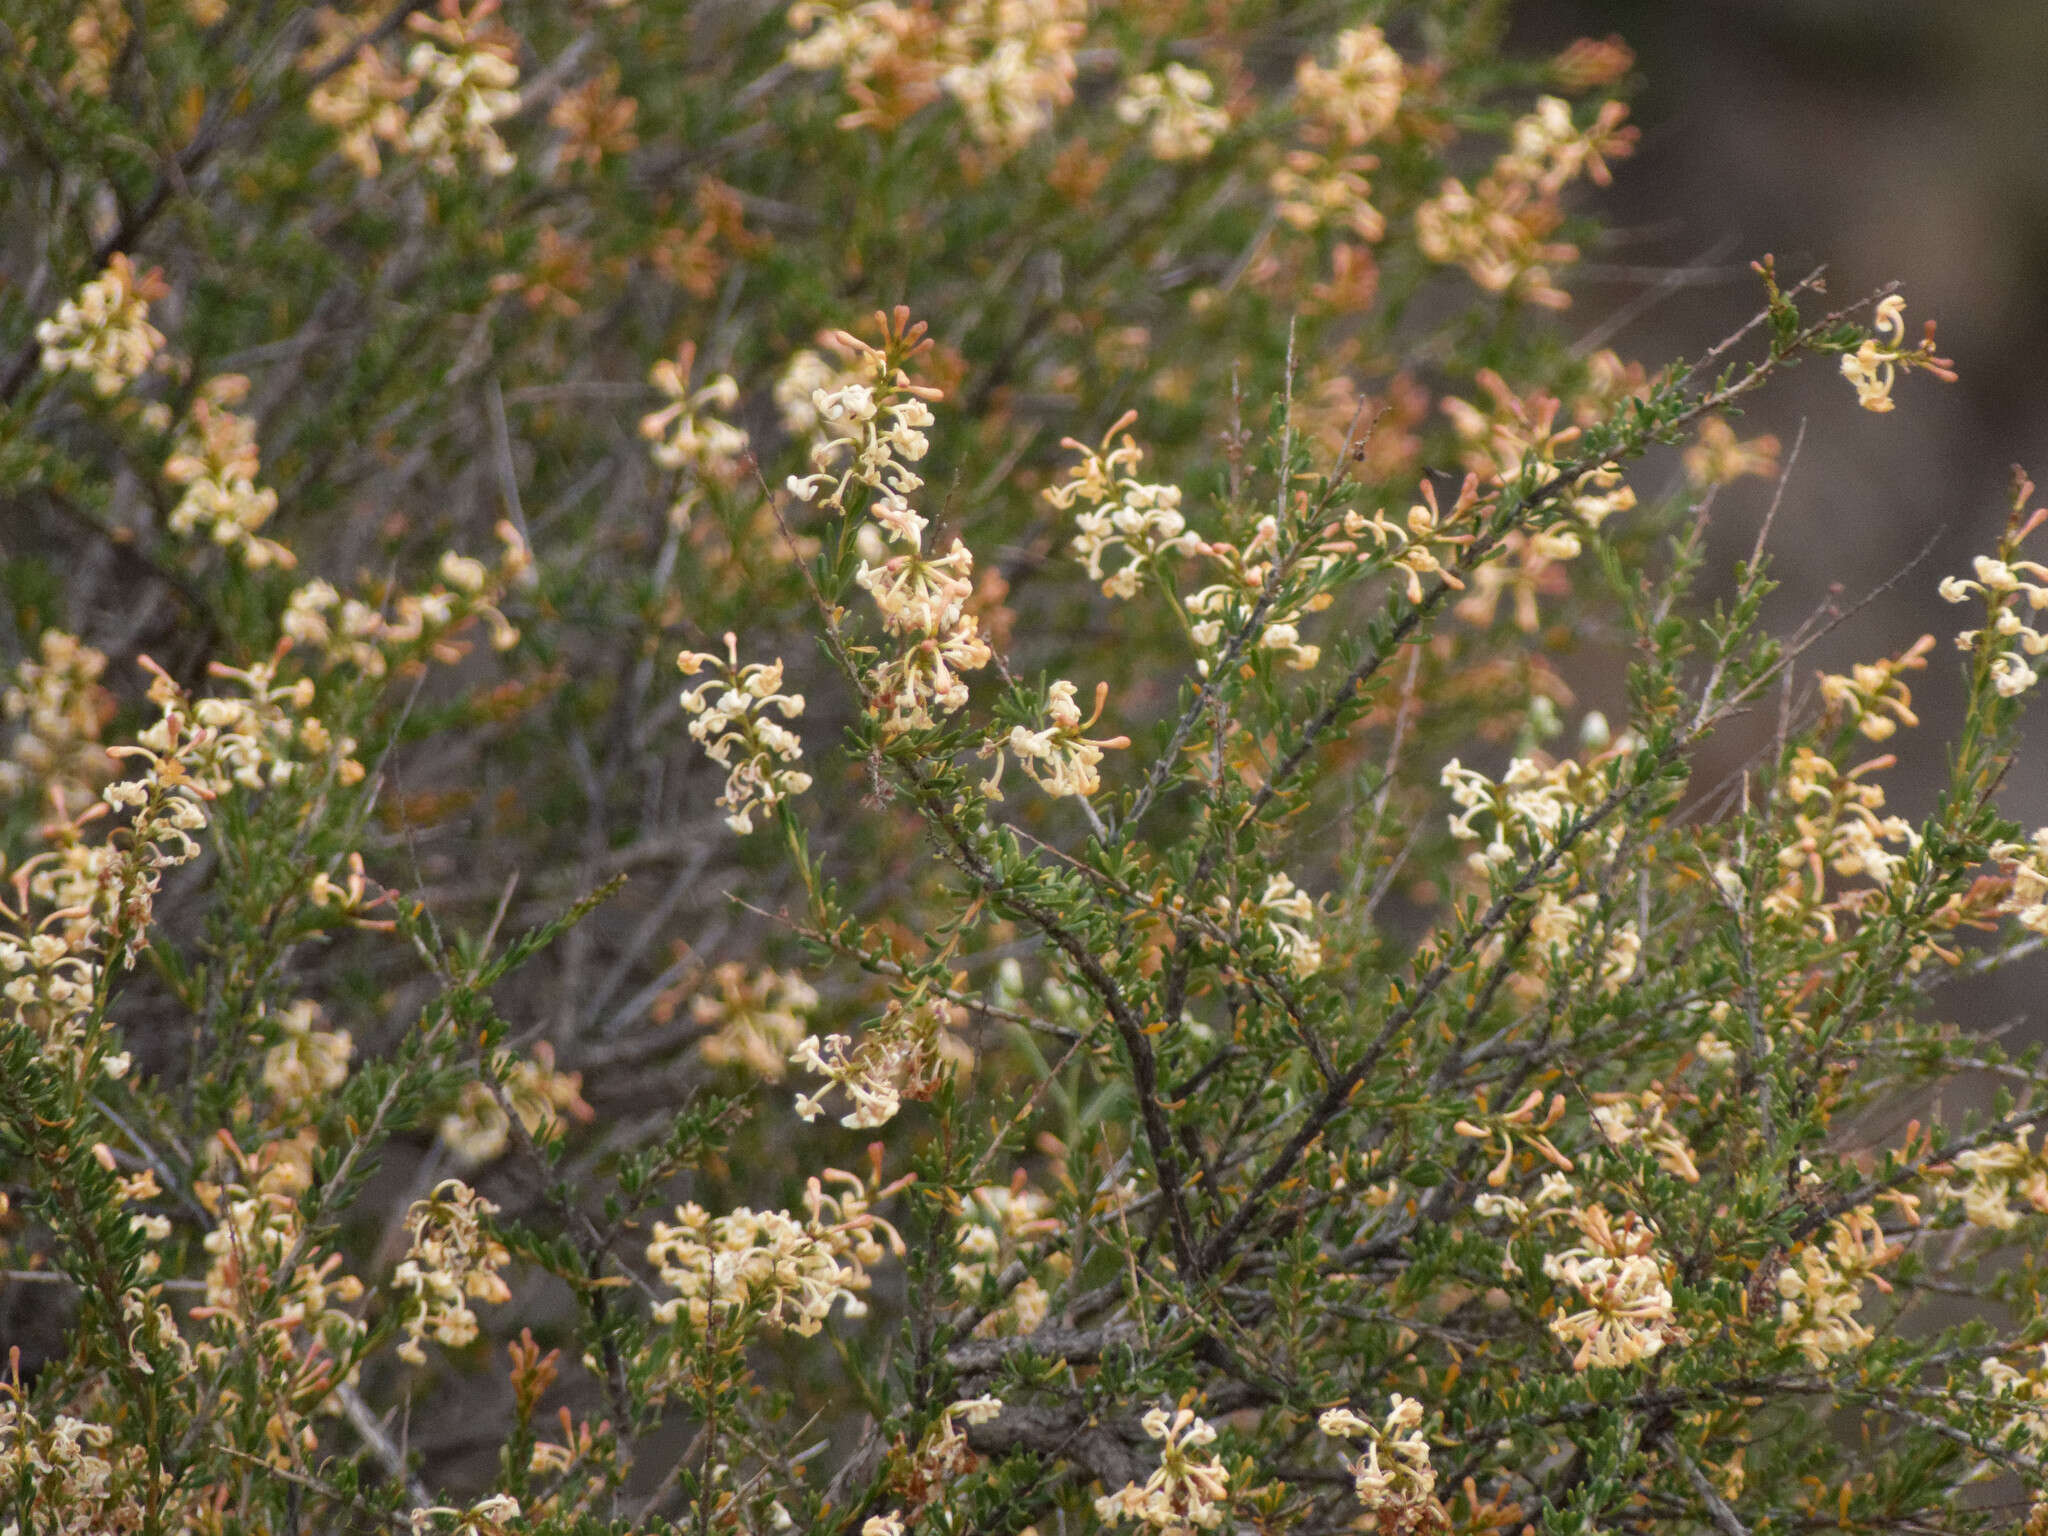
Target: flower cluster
(1820,1288)
(478,1129)
(1000,1224)
(451,1261)
(770,1264)
(1872,696)
(1399,1491)
(875,422)
(1998,582)
(1873,367)
(1718,457)
(1061,759)
(350,632)
(905,1054)
(1617,1279)
(61,707)
(262,1279)
(71,1476)
(684,433)
(1643,1120)
(1497,231)
(740,734)
(1995,1177)
(1173,107)
(1527,808)
(922,600)
(1120,511)
(1186,1493)
(469,66)
(756,1018)
(1837,824)
(1357,96)
(216,460)
(1009,64)
(105,332)
(307,1063)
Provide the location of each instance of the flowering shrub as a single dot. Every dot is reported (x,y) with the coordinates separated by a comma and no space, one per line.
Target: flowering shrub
(1121,990)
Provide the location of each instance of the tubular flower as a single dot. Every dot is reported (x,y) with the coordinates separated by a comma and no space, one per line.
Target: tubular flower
(105,332)
(307,1063)
(1186,1493)
(2000,582)
(738,734)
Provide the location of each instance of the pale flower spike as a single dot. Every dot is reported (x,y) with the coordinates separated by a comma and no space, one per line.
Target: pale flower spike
(733,713)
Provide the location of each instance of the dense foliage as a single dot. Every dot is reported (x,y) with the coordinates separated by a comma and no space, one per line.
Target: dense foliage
(816,767)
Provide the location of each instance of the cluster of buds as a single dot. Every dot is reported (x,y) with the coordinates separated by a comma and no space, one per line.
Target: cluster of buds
(1393,1479)
(451,1261)
(1526,1127)
(905,1054)
(1189,1490)
(1873,367)
(684,433)
(787,1270)
(105,332)
(1173,107)
(732,715)
(216,460)
(1872,696)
